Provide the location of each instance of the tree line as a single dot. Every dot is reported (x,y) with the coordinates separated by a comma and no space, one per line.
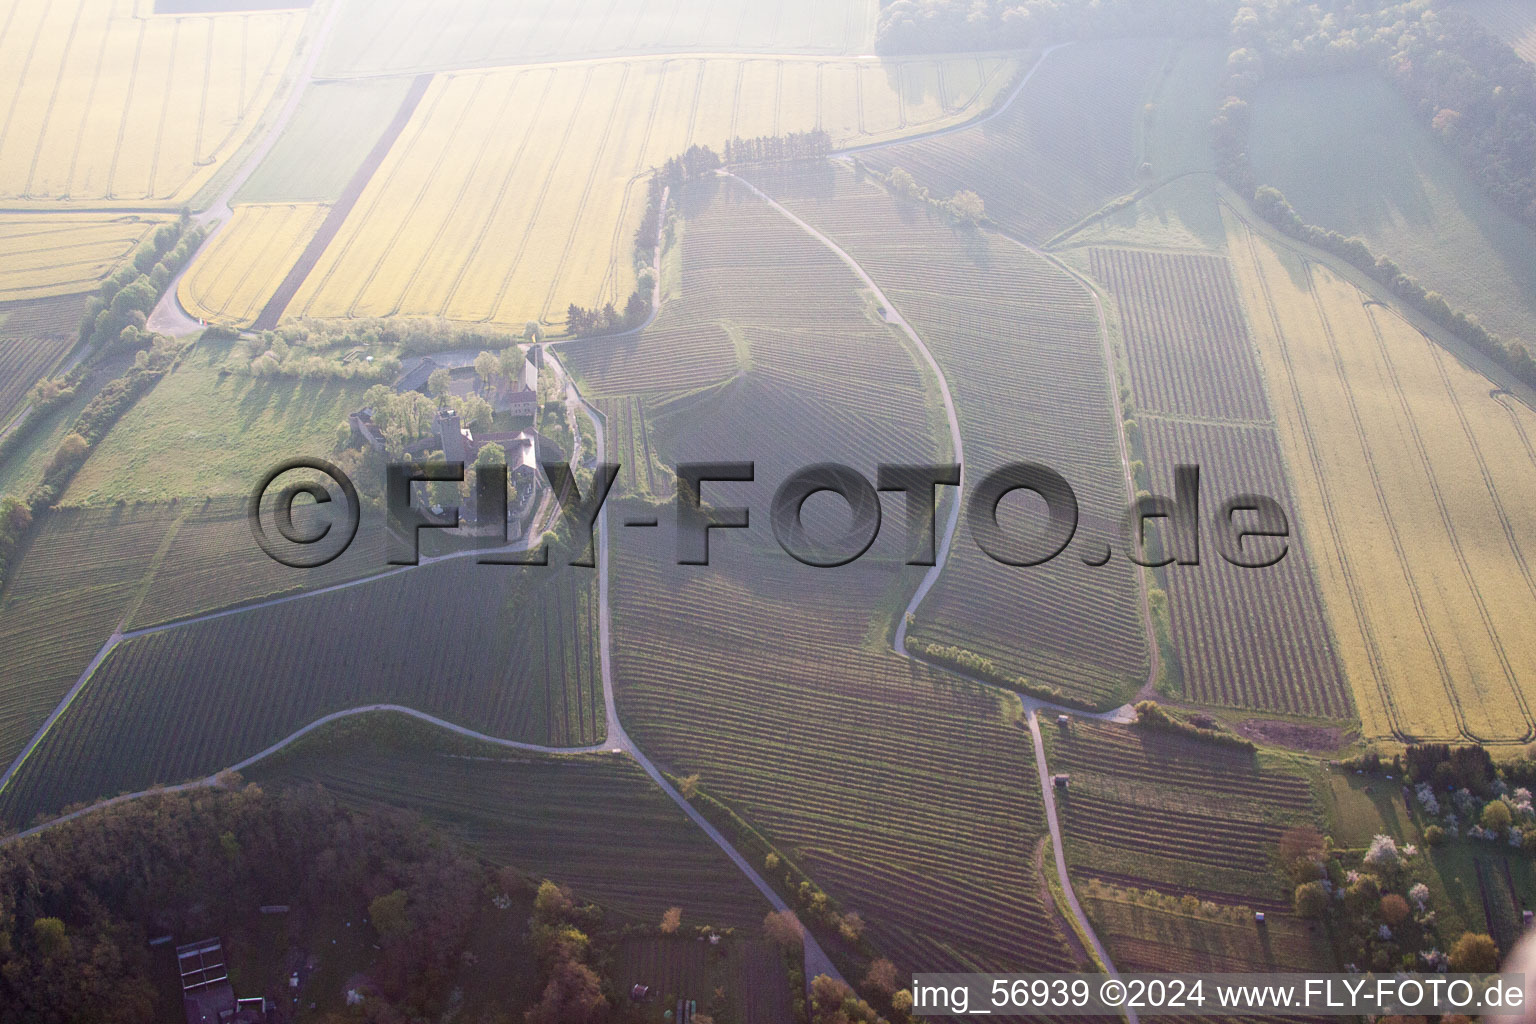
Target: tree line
(812,145)
(1513,356)
(931,26)
(80,902)
(18,514)
(127,296)
(114,320)
(1466,85)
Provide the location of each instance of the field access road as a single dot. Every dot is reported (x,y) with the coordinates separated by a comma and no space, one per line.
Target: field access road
(168,317)
(816,959)
(975,122)
(1124,713)
(1032,705)
(616,740)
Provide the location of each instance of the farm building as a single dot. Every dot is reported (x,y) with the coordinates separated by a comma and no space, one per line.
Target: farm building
(365,430)
(207,996)
(517,395)
(460,444)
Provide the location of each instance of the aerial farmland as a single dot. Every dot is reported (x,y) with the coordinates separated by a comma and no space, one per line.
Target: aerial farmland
(639,511)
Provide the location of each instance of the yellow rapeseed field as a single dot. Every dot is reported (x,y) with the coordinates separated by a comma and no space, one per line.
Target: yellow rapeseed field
(513,193)
(1416,483)
(231,282)
(46,254)
(101,101)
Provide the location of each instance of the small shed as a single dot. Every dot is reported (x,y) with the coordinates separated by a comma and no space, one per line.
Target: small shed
(1258,917)
(1063,720)
(1060,781)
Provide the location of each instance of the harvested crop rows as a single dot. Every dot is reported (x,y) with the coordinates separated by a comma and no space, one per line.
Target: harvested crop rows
(1254,638)
(23,362)
(212,562)
(46,255)
(521,189)
(104,105)
(1392,441)
(506,654)
(402,36)
(1063,148)
(1174,809)
(595,823)
(818,377)
(77,580)
(231,282)
(1143,938)
(1189,349)
(919,818)
(1018,342)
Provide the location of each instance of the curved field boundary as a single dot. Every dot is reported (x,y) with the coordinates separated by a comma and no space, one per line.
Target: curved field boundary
(893,317)
(273,310)
(289,740)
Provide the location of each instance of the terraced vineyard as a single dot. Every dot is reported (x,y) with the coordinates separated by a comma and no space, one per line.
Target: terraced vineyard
(231,281)
(35,339)
(1184,813)
(400,36)
(1062,149)
(819,377)
(535,213)
(23,362)
(509,655)
(920,817)
(1413,475)
(809,378)
(629,442)
(1253,638)
(1143,938)
(1018,341)
(48,254)
(594,822)
(113,107)
(212,562)
(1190,353)
(58,607)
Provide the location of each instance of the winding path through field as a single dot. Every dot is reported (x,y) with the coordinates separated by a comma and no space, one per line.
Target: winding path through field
(168,317)
(1032,705)
(616,740)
